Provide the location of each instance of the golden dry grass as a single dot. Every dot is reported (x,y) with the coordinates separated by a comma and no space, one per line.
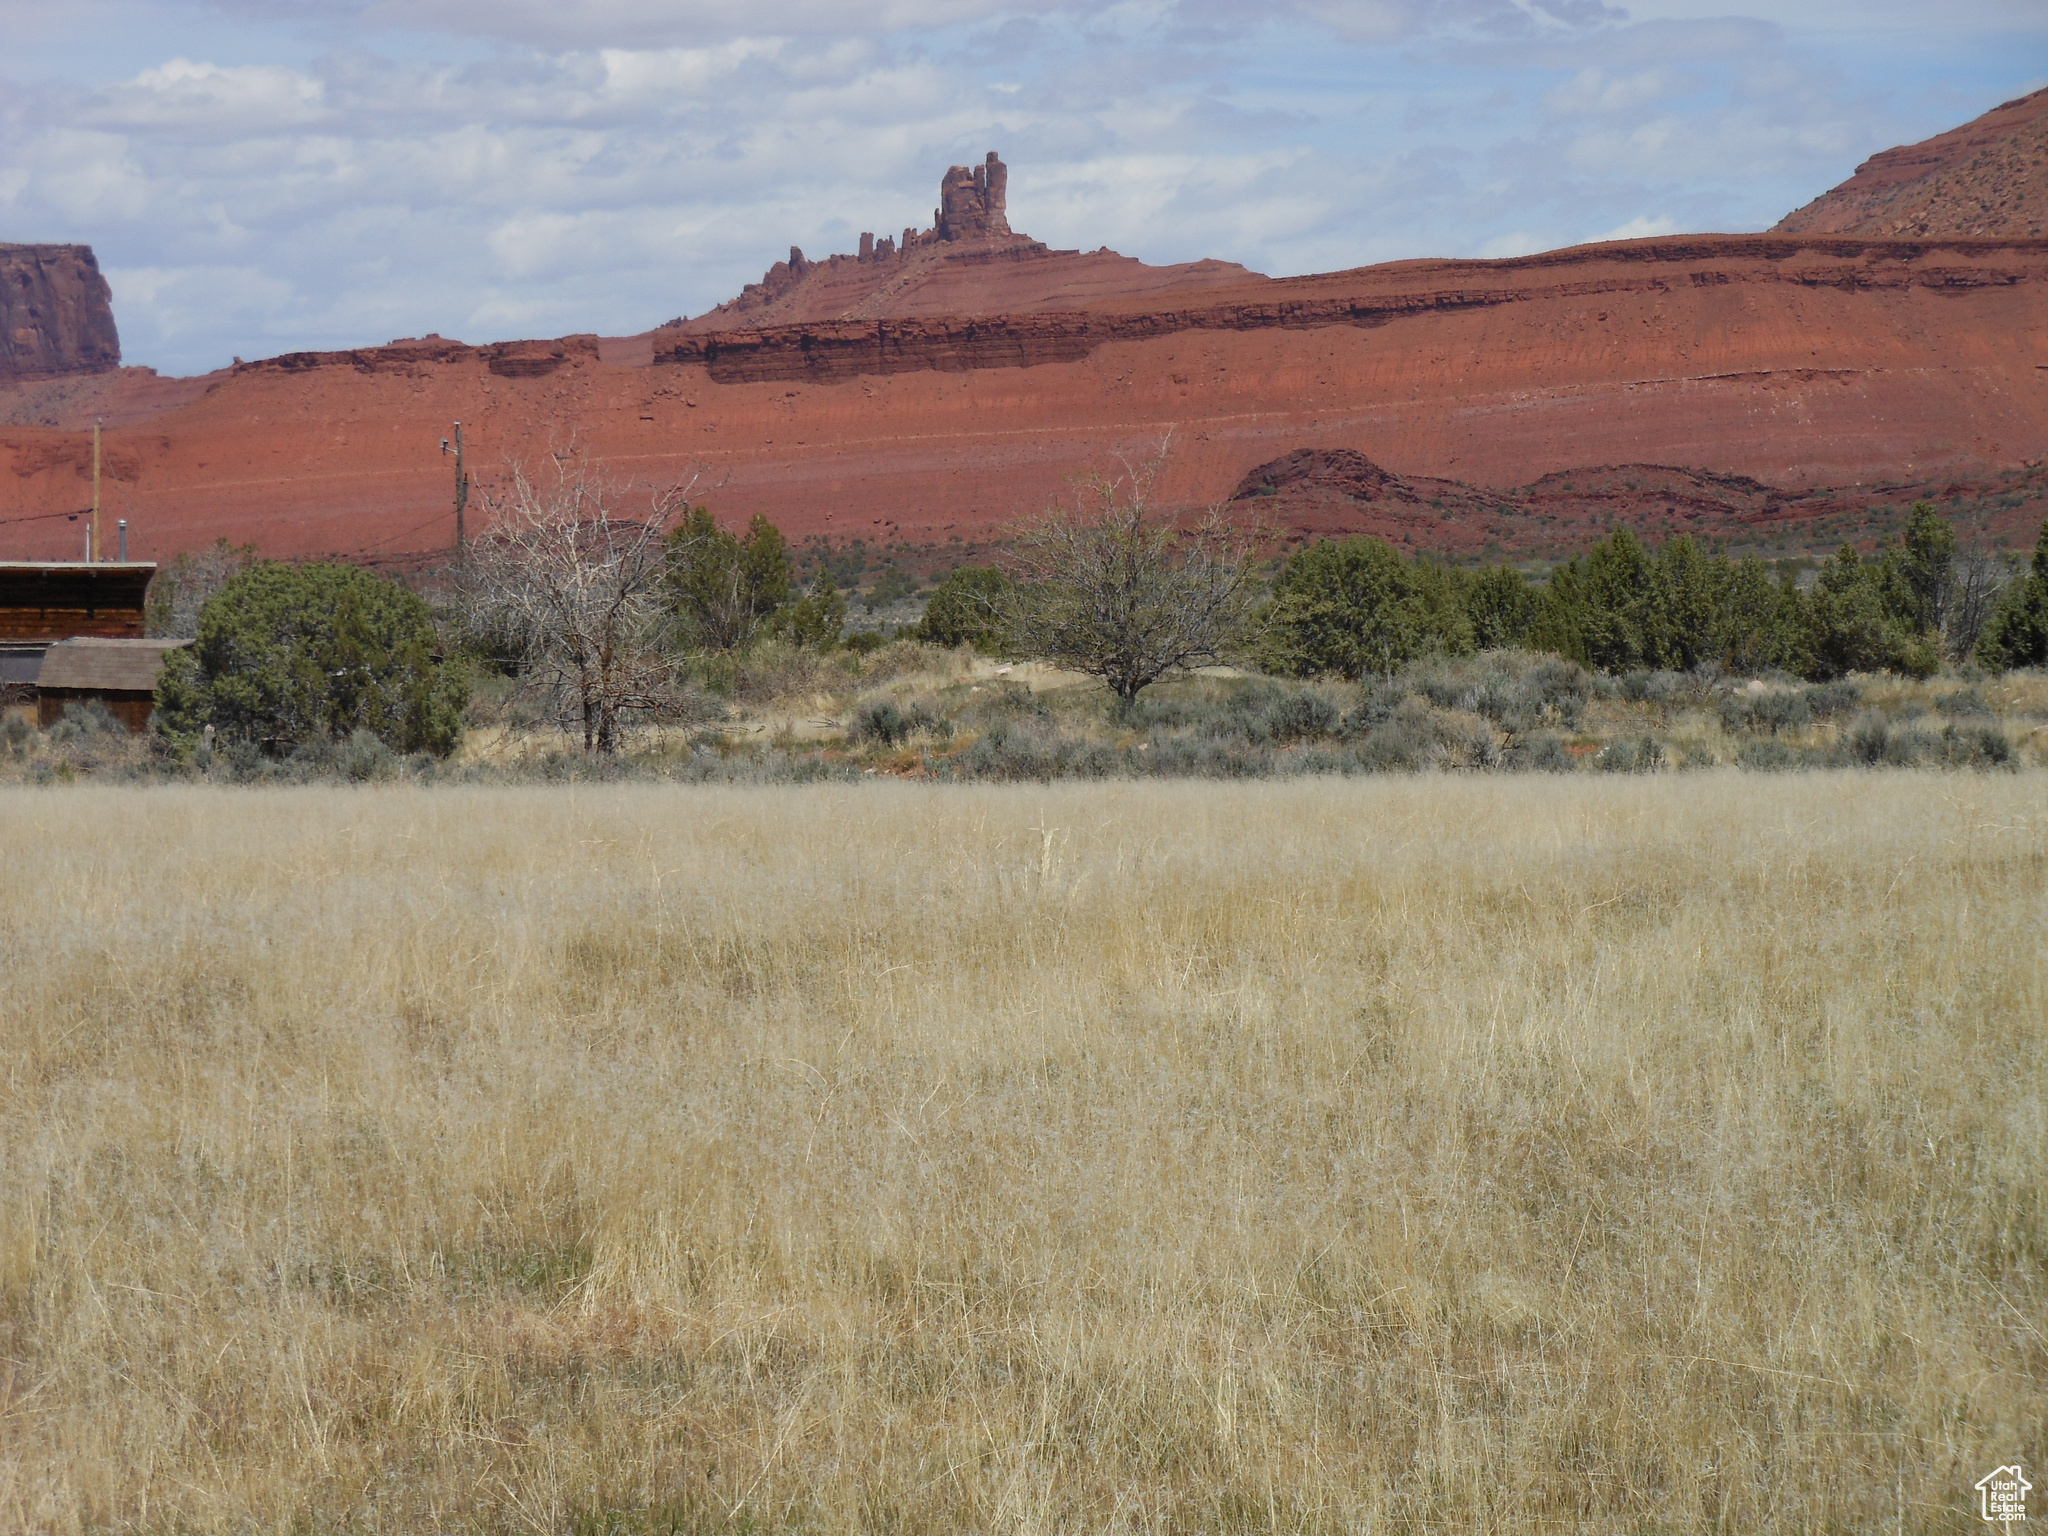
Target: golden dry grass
(1419,1154)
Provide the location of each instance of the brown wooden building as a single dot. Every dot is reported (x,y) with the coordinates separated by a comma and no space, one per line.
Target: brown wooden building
(44,602)
(121,674)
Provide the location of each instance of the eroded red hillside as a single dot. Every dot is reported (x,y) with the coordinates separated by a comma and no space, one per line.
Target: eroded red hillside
(1988,177)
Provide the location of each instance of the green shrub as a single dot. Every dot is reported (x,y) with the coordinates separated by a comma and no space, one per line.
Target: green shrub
(1772,711)
(1767,754)
(1642,756)
(726,588)
(1975,744)
(815,621)
(1964,701)
(880,721)
(2017,635)
(1354,608)
(83,719)
(969,608)
(1541,753)
(1875,741)
(288,654)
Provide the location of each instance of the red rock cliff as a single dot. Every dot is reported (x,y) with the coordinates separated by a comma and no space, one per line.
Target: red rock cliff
(56,313)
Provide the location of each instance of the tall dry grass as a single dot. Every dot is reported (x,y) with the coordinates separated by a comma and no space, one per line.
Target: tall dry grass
(1422,1154)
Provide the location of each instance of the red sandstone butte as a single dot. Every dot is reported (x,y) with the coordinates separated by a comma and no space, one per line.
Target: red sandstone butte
(56,314)
(947,386)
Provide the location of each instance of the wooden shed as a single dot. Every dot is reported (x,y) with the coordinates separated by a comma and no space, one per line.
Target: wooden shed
(121,674)
(44,601)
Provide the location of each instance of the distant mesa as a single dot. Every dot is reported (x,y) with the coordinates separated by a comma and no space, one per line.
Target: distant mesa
(56,314)
(1986,178)
(969,262)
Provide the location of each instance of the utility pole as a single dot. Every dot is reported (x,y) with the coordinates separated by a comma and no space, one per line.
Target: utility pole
(92,542)
(461,498)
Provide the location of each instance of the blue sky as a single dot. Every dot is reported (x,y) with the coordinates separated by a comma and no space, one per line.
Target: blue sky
(261,176)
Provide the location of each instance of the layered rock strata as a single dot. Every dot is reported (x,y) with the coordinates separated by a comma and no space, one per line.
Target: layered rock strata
(56,314)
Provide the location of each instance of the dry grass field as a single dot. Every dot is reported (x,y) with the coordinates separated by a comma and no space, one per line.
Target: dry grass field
(1431,1153)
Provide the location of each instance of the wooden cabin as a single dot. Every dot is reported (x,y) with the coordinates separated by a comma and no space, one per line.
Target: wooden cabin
(121,674)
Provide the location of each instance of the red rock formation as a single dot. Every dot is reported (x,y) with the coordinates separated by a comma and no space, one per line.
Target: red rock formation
(56,313)
(1336,493)
(973,203)
(969,263)
(1795,362)
(1988,177)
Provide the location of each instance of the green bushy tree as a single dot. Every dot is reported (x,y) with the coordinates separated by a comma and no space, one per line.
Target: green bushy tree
(817,620)
(1760,622)
(724,587)
(287,654)
(1356,608)
(969,608)
(1501,604)
(2017,633)
(1855,621)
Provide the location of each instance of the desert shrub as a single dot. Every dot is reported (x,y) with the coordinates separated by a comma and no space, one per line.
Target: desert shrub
(1034,750)
(968,608)
(1302,716)
(880,720)
(1645,755)
(290,653)
(865,642)
(82,720)
(1964,701)
(1828,701)
(1652,686)
(15,735)
(1280,715)
(1399,746)
(1516,691)
(1767,754)
(1975,744)
(1874,741)
(1005,702)
(1772,711)
(1205,757)
(365,756)
(1540,753)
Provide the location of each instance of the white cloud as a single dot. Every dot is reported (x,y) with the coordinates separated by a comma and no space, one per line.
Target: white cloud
(246,98)
(1641,227)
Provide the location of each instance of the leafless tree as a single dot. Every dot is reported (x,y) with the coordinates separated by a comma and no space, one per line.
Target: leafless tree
(569,582)
(1119,589)
(1975,581)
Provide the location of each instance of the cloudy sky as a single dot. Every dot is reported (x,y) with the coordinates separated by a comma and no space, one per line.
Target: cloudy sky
(261,176)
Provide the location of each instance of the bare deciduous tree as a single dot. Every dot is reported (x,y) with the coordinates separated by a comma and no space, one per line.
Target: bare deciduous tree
(571,585)
(1117,589)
